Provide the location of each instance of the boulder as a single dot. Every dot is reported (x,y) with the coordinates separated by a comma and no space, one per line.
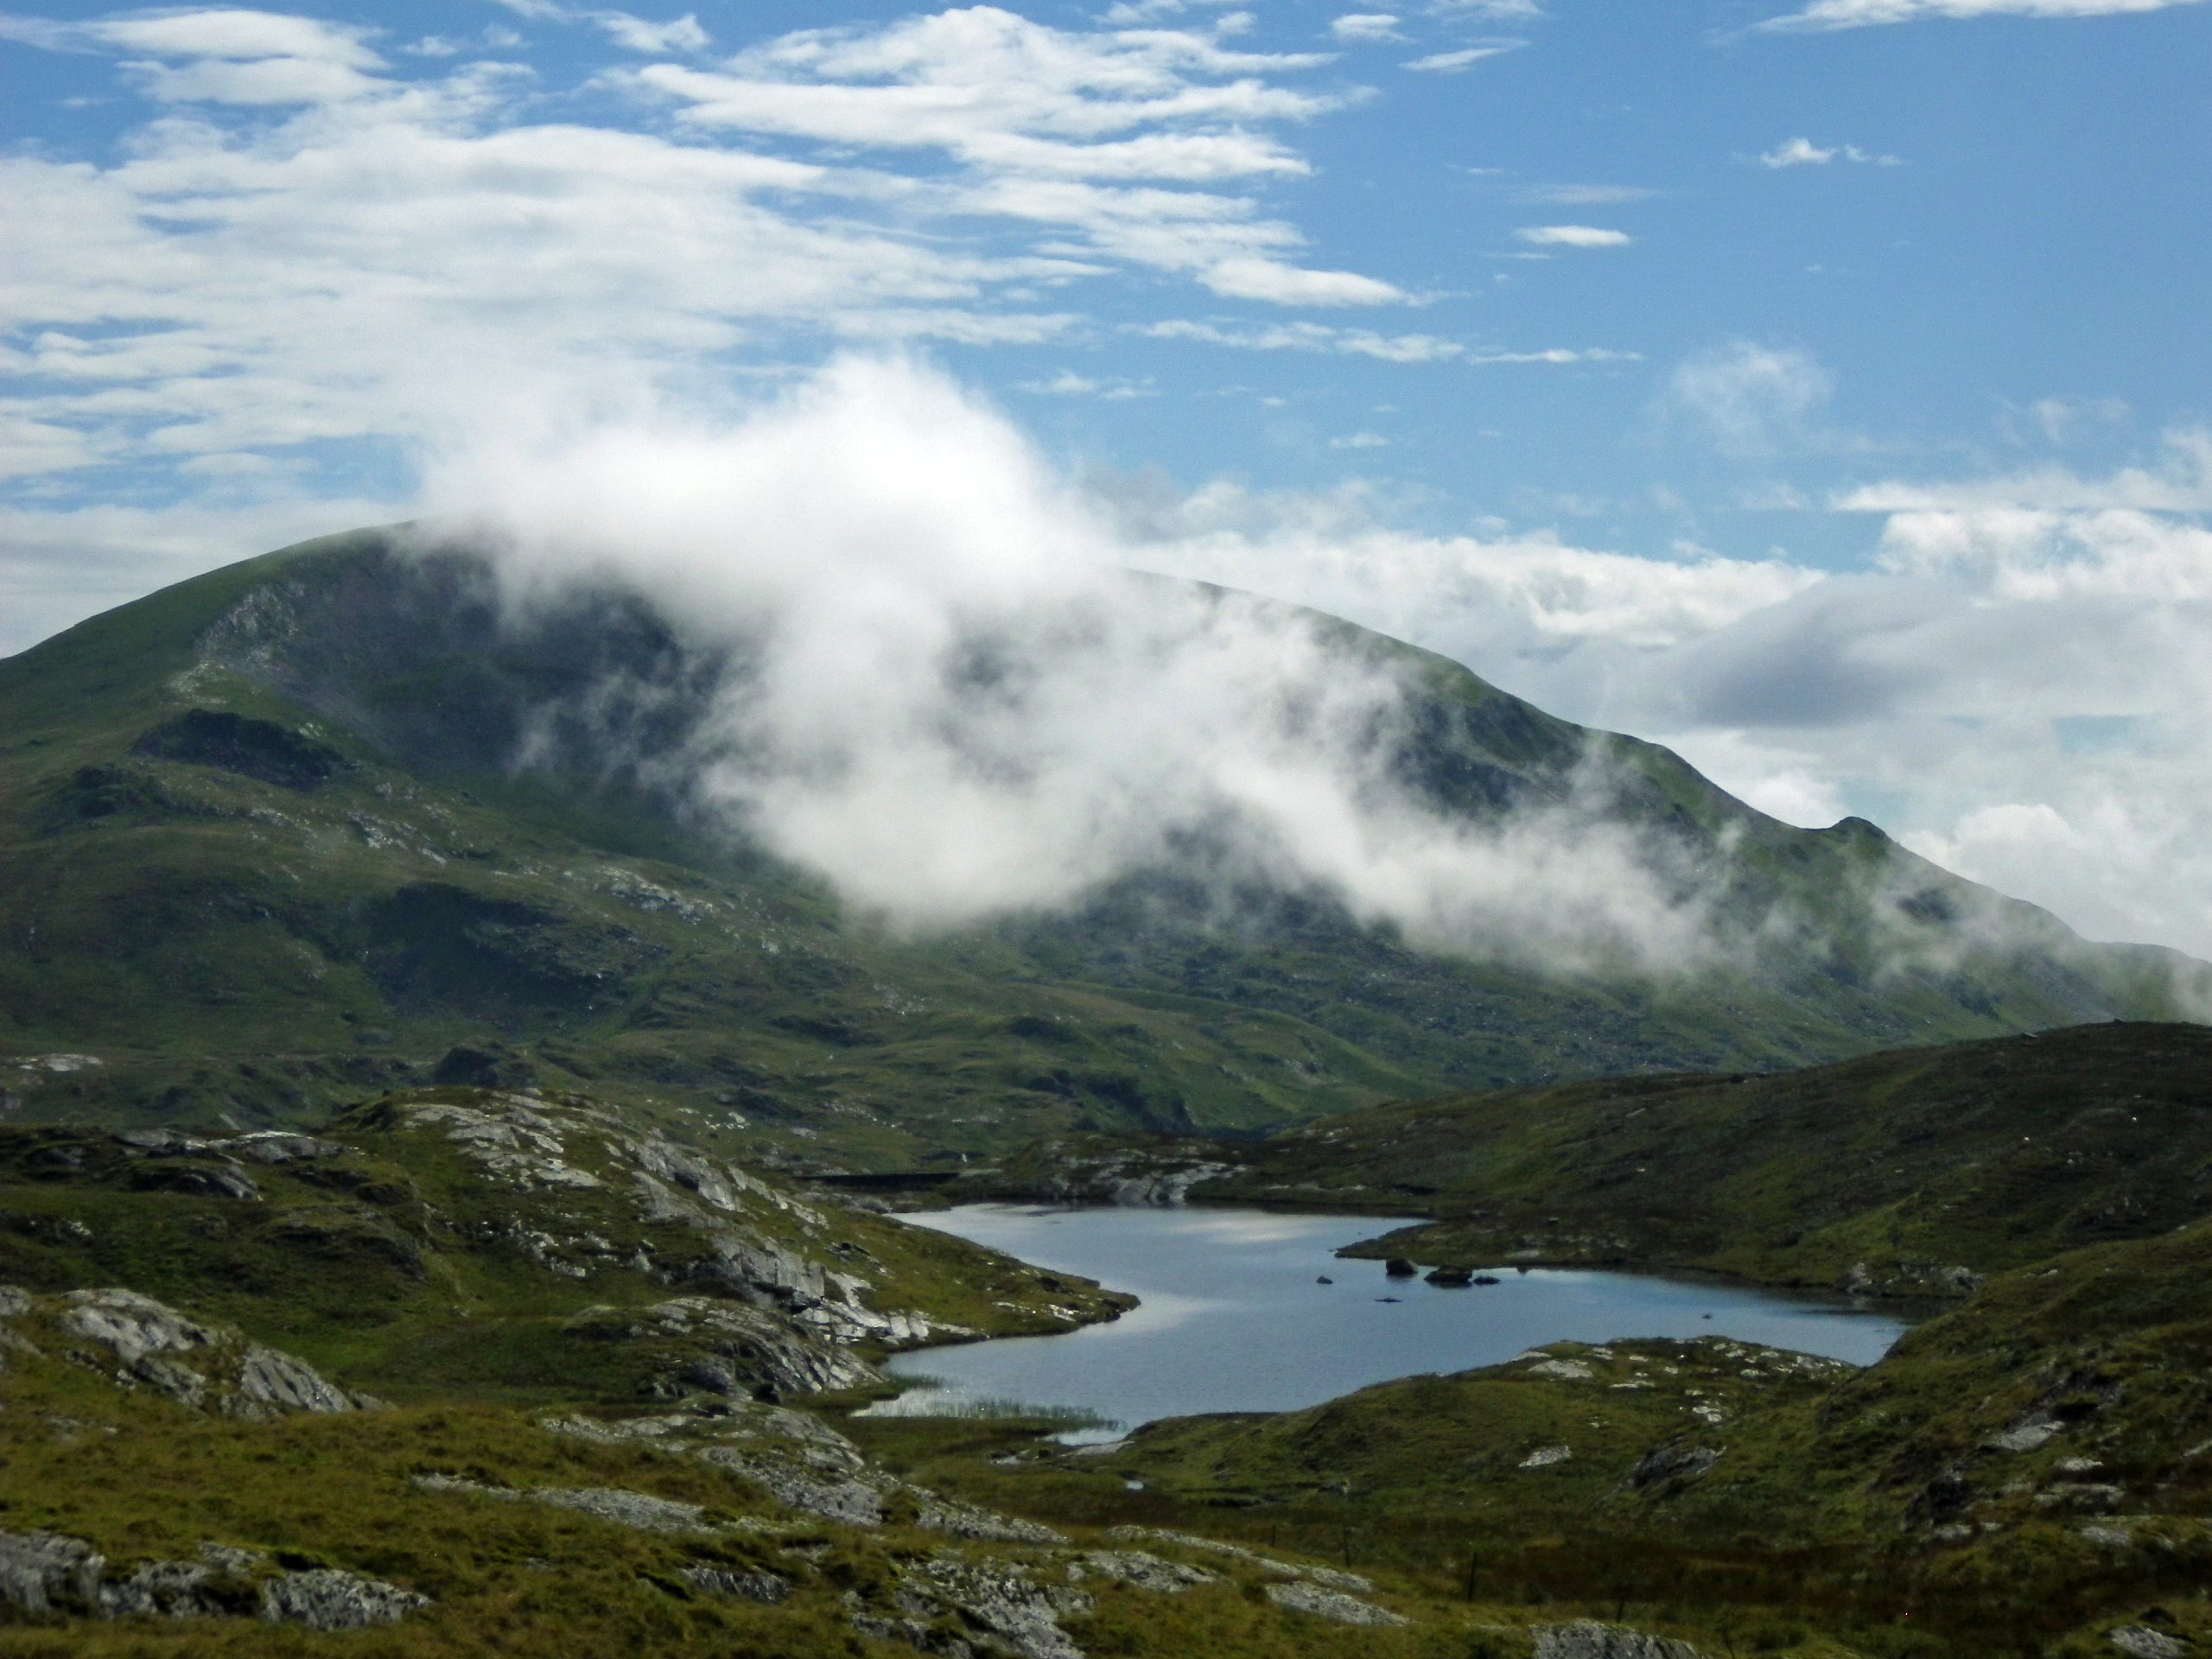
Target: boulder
(1452,1277)
(1585,1638)
(1398,1268)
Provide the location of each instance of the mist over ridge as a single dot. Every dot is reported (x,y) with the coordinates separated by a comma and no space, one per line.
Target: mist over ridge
(947,693)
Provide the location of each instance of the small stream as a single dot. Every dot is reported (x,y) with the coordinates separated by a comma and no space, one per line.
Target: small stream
(1233,1319)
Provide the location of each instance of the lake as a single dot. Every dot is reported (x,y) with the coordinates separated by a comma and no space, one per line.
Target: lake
(1232,1319)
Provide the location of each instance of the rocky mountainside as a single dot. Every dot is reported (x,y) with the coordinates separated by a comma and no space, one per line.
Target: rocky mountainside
(337,820)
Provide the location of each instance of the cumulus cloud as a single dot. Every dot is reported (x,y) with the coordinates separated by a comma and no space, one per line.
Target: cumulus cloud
(1824,15)
(684,34)
(307,243)
(952,701)
(1803,152)
(2178,480)
(1363,26)
(1572,235)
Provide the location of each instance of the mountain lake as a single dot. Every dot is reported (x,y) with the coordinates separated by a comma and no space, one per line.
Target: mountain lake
(1234,1317)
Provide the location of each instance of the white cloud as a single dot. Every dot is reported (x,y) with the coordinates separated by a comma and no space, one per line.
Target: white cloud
(2180,480)
(655,40)
(1803,152)
(1073,129)
(236,34)
(1827,14)
(1751,398)
(1362,26)
(1068,383)
(1120,726)
(1560,355)
(1466,57)
(1250,278)
(1360,441)
(1572,235)
(1583,195)
(1309,337)
(326,249)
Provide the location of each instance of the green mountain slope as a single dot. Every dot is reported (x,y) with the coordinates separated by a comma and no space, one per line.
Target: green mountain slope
(268,841)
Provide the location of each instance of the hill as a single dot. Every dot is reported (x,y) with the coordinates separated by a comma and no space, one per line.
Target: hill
(341,818)
(1916,1172)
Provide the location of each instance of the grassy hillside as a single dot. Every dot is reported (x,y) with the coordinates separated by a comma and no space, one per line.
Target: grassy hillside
(267,842)
(1913,1172)
(2020,1476)
(467,1369)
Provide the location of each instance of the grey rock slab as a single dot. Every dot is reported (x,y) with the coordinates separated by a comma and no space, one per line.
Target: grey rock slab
(1333,1605)
(1145,1571)
(44,1571)
(2140,1642)
(740,1584)
(998,1599)
(1585,1638)
(330,1599)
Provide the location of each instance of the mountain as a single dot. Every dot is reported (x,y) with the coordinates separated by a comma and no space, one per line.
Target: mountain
(339,819)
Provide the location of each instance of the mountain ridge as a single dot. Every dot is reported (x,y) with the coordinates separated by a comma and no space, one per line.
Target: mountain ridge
(414,893)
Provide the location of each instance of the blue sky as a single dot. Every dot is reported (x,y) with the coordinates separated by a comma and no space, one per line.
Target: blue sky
(1823,390)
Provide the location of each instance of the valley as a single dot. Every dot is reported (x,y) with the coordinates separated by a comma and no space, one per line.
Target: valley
(460,1191)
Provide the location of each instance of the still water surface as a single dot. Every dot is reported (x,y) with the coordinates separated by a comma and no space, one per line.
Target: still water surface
(1232,1319)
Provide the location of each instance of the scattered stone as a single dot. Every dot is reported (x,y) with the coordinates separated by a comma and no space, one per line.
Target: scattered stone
(1332,1604)
(2140,1642)
(741,1584)
(1675,1461)
(1585,1638)
(636,1510)
(2026,1436)
(997,1601)
(1145,1571)
(1544,1456)
(1567,1370)
(329,1598)
(152,1346)
(44,1573)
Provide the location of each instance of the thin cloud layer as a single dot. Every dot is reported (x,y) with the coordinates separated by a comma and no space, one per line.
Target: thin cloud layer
(310,247)
(1825,15)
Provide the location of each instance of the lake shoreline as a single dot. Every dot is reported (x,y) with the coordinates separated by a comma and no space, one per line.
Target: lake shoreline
(1248,1309)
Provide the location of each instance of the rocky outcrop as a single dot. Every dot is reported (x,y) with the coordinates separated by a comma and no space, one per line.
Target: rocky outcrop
(46,1575)
(1145,1571)
(139,1342)
(639,1511)
(999,1606)
(1332,1604)
(1586,1638)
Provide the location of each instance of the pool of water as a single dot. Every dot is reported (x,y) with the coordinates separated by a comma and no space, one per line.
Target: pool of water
(1232,1317)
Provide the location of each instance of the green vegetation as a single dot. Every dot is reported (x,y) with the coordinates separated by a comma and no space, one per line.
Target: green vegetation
(1912,1173)
(264,848)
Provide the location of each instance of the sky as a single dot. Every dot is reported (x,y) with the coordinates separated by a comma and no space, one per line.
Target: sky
(1820,389)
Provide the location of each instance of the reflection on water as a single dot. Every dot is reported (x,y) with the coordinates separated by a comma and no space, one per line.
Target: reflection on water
(1233,1317)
